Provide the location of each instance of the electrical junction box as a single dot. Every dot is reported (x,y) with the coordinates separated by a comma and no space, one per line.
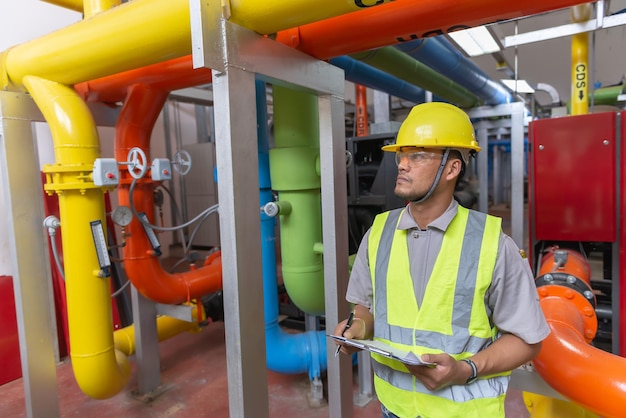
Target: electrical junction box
(105,172)
(161,169)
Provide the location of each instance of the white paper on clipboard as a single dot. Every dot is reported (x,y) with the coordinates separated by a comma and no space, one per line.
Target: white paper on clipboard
(384,350)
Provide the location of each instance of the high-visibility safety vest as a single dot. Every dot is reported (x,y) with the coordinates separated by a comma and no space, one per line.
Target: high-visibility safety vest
(451,319)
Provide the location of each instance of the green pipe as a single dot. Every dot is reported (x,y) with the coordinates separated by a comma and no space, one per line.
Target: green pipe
(403,66)
(603,96)
(295,176)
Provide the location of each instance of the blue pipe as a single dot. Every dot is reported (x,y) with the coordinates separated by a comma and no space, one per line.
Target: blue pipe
(442,57)
(361,73)
(285,353)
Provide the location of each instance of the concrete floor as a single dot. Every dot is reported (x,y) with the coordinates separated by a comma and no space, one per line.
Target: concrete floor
(193,374)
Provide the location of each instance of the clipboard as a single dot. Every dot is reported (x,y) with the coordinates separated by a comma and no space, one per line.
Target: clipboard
(383,349)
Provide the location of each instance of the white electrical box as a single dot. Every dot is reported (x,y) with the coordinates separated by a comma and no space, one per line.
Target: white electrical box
(161,169)
(105,172)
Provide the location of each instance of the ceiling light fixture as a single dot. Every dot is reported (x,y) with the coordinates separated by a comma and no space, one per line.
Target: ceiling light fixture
(475,41)
(518,86)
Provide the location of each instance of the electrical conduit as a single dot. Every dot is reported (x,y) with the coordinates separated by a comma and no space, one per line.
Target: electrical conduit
(100,370)
(286,353)
(134,126)
(294,171)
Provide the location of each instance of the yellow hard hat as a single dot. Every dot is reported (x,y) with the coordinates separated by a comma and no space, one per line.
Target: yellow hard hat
(436,125)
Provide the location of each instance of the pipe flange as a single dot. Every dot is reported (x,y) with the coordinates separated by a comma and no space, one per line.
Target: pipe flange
(568,281)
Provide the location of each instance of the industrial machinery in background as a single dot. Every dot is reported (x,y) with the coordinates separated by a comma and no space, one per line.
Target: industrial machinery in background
(575,204)
(371,182)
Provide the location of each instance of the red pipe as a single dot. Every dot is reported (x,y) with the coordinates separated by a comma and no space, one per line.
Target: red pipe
(165,76)
(135,123)
(362,128)
(405,20)
(584,374)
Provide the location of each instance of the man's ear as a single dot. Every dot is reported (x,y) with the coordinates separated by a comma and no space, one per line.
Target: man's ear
(454,168)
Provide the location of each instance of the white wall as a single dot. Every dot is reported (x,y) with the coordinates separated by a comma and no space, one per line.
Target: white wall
(20,22)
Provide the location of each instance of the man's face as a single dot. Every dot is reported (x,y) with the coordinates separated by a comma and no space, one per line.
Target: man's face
(417,168)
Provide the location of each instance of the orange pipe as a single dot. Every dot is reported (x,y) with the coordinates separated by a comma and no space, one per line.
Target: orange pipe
(134,126)
(166,76)
(362,128)
(584,374)
(405,20)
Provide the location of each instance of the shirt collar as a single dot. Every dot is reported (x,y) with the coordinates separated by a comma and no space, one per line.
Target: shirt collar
(441,223)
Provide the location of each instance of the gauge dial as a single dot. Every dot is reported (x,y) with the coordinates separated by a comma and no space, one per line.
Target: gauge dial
(122,215)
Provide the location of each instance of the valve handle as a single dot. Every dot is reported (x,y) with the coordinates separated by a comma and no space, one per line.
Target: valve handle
(137,163)
(182,162)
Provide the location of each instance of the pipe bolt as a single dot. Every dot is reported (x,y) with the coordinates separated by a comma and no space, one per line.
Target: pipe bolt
(588,312)
(542,291)
(569,294)
(571,279)
(588,294)
(548,278)
(589,333)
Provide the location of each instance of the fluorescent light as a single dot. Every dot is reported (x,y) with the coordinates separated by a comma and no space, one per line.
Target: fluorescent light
(518,86)
(475,41)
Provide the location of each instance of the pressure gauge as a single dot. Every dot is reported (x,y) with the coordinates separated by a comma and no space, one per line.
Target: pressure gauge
(122,215)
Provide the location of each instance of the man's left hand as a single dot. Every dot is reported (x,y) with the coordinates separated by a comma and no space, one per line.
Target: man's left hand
(447,371)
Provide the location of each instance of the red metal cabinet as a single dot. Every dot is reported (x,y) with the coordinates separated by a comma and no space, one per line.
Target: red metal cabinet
(573,168)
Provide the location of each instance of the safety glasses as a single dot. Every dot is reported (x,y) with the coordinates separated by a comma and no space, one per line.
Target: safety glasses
(417,158)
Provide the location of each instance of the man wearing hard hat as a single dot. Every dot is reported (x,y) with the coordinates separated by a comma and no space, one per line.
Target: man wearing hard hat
(443,282)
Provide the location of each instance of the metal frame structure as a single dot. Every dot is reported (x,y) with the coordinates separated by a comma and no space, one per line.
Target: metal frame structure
(32,281)
(515,112)
(237,55)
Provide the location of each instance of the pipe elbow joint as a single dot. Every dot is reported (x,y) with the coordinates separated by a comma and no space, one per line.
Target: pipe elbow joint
(101,375)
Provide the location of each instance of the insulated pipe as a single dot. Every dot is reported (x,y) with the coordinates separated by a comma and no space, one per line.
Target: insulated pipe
(143,32)
(438,54)
(404,20)
(580,62)
(294,170)
(582,373)
(135,34)
(164,76)
(99,369)
(394,62)
(286,353)
(134,126)
(361,73)
(167,327)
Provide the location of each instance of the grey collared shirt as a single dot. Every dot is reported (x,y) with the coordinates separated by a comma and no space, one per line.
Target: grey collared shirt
(512,302)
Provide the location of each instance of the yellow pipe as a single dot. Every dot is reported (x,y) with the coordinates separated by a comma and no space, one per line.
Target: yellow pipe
(94,7)
(267,17)
(580,64)
(167,327)
(76,5)
(144,32)
(100,370)
(541,406)
(132,35)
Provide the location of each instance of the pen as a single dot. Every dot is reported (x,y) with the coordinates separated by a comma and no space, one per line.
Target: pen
(348,324)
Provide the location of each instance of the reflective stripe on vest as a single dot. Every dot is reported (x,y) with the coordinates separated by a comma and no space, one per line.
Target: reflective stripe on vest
(452,317)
